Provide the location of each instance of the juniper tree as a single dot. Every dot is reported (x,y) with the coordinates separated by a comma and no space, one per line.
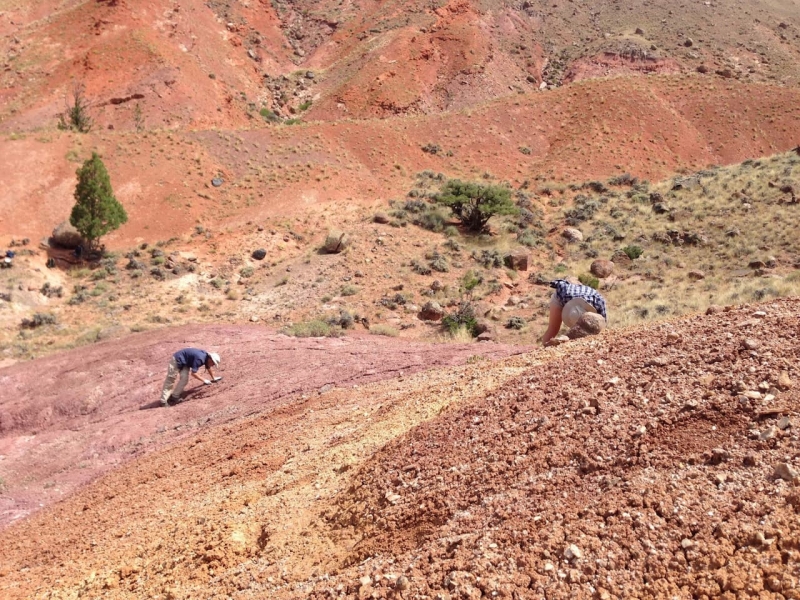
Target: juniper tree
(96,210)
(474,203)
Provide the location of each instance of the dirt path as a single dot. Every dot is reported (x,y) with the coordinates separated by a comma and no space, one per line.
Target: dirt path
(68,418)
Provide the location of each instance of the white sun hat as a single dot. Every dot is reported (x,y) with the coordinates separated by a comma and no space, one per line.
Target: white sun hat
(214,358)
(574,309)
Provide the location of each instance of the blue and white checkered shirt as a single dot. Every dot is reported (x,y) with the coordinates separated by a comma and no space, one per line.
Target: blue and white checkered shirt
(566,291)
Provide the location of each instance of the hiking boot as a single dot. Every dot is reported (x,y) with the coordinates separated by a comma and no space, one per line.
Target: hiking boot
(173,400)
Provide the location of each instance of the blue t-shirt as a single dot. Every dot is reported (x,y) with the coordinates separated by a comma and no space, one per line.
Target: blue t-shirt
(190,357)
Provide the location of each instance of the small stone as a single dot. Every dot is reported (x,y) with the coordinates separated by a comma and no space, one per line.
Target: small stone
(713,309)
(381,218)
(750,344)
(673,337)
(769,433)
(750,459)
(696,275)
(752,395)
(687,544)
(572,552)
(557,341)
(720,478)
(719,455)
(640,431)
(402,583)
(784,381)
(783,423)
(760,314)
(365,581)
(217,181)
(688,42)
(259,254)
(786,472)
(254,319)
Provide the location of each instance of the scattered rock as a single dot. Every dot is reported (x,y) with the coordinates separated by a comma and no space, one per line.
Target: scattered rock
(517,260)
(620,258)
(588,324)
(217,181)
(786,472)
(254,319)
(486,336)
(572,552)
(557,341)
(784,382)
(750,459)
(783,423)
(431,311)
(696,275)
(572,235)
(602,268)
(713,309)
(750,344)
(336,241)
(756,264)
(688,42)
(259,254)
(66,236)
(381,218)
(769,433)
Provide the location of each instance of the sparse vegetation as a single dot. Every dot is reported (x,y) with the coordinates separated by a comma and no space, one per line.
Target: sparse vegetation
(314,328)
(475,203)
(590,280)
(76,114)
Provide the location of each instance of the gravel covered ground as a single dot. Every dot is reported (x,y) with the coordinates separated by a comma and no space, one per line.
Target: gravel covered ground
(659,462)
(654,464)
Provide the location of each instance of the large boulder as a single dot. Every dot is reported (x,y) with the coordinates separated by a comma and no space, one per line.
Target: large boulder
(431,311)
(259,254)
(572,235)
(621,258)
(66,236)
(517,260)
(336,241)
(602,268)
(589,324)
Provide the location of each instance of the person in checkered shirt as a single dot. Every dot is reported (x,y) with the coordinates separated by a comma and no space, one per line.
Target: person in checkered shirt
(568,303)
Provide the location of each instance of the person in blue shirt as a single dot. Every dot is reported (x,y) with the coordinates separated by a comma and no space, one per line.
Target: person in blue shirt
(568,303)
(183,362)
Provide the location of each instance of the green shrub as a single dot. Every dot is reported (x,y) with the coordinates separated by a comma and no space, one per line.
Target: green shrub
(475,203)
(315,328)
(584,210)
(246,272)
(430,219)
(305,105)
(590,280)
(420,268)
(633,251)
(451,231)
(488,258)
(464,317)
(96,210)
(349,290)
(515,323)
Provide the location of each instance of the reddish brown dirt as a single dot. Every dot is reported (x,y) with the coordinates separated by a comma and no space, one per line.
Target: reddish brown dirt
(68,418)
(639,448)
(592,129)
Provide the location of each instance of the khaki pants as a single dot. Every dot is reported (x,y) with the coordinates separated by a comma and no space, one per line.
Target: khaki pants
(172,374)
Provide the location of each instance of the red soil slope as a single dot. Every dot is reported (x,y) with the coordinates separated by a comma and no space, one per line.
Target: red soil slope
(592,129)
(67,418)
(640,464)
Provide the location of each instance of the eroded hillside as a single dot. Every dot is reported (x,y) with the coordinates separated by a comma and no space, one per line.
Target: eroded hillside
(654,462)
